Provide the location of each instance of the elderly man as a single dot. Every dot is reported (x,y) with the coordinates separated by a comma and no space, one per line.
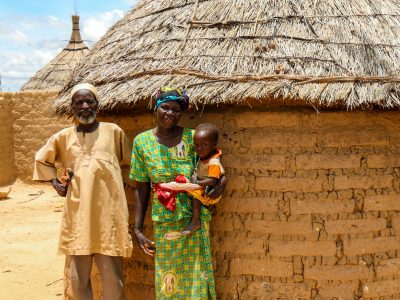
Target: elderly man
(95,218)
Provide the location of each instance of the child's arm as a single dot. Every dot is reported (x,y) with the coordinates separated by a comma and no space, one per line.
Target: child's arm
(209,181)
(193,178)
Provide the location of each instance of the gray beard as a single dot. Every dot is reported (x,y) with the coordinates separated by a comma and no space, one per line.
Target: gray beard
(86,120)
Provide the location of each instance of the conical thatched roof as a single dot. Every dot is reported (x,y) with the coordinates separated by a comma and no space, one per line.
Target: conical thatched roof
(326,52)
(57,72)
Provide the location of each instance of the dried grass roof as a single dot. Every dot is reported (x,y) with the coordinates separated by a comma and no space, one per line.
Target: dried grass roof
(57,72)
(227,51)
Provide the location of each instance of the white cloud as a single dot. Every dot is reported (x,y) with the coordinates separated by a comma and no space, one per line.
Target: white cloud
(18,37)
(95,27)
(32,23)
(54,43)
(17,67)
(131,2)
(12,35)
(55,19)
(29,43)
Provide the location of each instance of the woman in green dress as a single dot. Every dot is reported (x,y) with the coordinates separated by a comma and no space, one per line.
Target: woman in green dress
(183,264)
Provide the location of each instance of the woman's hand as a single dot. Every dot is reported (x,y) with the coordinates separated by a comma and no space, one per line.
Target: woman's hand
(142,196)
(60,187)
(218,189)
(144,243)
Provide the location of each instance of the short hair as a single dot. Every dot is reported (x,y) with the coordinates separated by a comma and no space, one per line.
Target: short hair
(210,129)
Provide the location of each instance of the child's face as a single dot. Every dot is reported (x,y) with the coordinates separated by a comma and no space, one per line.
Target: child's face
(203,144)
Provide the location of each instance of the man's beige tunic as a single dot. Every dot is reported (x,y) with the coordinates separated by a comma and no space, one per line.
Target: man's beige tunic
(95,217)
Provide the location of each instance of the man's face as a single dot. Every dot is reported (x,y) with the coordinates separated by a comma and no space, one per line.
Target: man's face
(84,105)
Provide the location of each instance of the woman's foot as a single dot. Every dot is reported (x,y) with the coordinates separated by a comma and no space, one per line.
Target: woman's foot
(192,227)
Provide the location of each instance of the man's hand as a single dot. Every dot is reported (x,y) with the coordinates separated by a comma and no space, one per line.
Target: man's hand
(147,246)
(218,189)
(60,187)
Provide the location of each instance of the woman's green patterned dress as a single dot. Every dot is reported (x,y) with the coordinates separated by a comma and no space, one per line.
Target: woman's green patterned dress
(183,264)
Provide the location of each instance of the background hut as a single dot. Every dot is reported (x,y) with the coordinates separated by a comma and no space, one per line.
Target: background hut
(57,72)
(26,113)
(302,92)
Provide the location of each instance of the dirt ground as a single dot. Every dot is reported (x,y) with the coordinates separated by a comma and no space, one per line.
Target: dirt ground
(30,267)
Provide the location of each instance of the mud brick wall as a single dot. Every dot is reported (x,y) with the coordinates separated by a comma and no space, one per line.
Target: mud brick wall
(7,173)
(312,210)
(33,125)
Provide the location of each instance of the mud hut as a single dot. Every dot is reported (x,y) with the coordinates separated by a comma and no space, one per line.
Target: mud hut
(31,123)
(57,72)
(306,95)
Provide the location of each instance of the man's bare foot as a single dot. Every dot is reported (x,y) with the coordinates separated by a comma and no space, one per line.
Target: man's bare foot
(192,227)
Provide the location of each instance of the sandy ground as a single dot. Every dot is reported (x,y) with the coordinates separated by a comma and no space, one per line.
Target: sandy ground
(29,226)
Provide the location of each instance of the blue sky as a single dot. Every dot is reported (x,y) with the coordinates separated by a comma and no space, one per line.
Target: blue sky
(34,32)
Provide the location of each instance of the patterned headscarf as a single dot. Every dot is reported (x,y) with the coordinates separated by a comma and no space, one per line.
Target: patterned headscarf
(166,94)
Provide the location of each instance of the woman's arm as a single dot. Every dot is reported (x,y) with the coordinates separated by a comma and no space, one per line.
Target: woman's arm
(142,195)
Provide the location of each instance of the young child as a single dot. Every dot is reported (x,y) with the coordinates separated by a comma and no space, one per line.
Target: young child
(207,173)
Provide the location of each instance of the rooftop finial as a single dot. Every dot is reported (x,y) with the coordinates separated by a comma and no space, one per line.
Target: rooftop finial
(75,42)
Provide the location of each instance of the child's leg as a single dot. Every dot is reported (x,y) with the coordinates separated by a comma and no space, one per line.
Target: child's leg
(196,209)
(195,222)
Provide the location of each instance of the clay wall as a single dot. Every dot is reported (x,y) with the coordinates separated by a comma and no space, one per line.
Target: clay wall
(33,125)
(7,172)
(312,209)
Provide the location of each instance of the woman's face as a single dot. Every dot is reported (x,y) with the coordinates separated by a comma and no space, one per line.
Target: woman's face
(168,114)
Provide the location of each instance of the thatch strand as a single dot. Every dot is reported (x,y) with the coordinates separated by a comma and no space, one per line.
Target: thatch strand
(229,51)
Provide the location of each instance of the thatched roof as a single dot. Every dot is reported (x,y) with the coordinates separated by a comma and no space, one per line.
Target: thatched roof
(57,72)
(325,52)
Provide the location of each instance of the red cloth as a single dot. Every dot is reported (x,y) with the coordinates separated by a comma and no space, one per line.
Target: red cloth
(167,196)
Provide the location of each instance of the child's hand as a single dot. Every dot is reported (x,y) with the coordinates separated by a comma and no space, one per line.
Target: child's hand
(193,178)
(218,189)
